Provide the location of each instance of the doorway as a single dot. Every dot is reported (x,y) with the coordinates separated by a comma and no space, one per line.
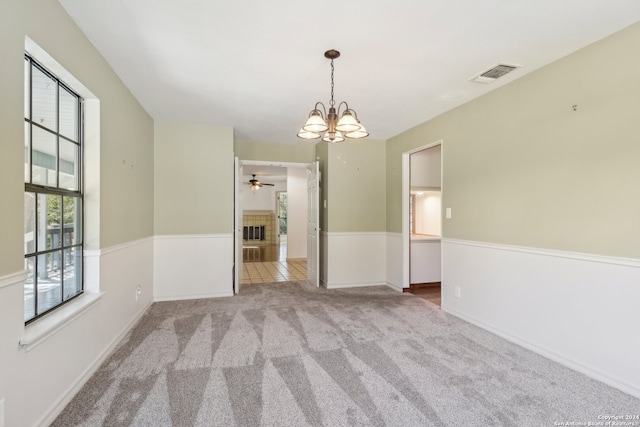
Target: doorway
(422,221)
(283,206)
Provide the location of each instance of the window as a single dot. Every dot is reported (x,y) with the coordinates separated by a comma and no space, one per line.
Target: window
(53,200)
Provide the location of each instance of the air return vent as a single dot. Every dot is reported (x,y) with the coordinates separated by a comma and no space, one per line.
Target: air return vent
(494,73)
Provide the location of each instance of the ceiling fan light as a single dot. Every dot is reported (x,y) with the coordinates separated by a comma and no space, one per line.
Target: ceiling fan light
(357,134)
(308,135)
(315,123)
(347,122)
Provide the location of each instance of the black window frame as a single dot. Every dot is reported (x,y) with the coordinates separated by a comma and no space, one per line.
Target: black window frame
(40,189)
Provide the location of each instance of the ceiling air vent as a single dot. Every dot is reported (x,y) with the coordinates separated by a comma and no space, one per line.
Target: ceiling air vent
(494,73)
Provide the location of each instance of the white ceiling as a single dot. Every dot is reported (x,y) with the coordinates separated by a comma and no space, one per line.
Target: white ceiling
(259,66)
(265,173)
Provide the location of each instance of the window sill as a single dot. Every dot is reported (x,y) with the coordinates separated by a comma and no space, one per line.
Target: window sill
(38,331)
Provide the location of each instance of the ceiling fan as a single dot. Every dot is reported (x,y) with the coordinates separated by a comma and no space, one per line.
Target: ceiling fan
(256,184)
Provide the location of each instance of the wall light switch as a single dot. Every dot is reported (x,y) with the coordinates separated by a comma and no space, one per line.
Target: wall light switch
(325,203)
(448,213)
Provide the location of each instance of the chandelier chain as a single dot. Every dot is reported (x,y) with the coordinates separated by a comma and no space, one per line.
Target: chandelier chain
(332,103)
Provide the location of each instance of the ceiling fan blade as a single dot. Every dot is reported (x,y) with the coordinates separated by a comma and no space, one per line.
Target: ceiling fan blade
(264,183)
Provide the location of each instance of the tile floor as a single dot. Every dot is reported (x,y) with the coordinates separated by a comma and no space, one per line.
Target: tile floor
(266,264)
(273,271)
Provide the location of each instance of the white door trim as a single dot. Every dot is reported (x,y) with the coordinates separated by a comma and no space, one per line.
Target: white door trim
(237,223)
(241,163)
(406,189)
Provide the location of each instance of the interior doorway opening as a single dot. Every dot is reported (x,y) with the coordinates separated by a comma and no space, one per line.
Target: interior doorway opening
(422,221)
(280,205)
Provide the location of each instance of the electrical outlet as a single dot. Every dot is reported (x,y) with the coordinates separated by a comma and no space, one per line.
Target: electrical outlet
(458,292)
(1,412)
(138,292)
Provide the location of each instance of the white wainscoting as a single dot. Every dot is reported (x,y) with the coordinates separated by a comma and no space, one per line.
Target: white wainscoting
(426,261)
(193,266)
(42,380)
(577,309)
(394,261)
(353,259)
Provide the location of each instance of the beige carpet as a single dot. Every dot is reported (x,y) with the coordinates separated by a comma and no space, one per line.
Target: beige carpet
(287,354)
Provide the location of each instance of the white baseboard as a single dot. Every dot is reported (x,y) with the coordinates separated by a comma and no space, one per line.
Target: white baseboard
(550,354)
(180,297)
(395,287)
(555,303)
(354,285)
(69,394)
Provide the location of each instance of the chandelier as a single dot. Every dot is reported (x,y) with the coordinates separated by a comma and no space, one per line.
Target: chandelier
(335,130)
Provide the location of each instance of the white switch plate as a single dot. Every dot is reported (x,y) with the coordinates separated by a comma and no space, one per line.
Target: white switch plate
(1,412)
(458,292)
(448,213)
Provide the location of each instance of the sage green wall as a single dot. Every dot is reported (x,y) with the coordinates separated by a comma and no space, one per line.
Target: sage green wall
(302,152)
(126,130)
(322,154)
(193,179)
(126,205)
(522,167)
(12,16)
(355,176)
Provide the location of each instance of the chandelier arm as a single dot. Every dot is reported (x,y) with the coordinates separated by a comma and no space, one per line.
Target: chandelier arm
(346,107)
(324,110)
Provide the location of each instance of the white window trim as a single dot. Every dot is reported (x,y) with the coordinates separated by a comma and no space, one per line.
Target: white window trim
(41,329)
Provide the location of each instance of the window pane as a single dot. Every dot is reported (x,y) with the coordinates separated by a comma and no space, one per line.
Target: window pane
(44,99)
(49,206)
(49,286)
(68,114)
(27,85)
(68,165)
(29,300)
(29,223)
(72,272)
(44,155)
(27,154)
(72,221)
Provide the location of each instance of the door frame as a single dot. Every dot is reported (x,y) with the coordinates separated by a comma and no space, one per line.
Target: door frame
(237,249)
(313,223)
(406,194)
(237,225)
